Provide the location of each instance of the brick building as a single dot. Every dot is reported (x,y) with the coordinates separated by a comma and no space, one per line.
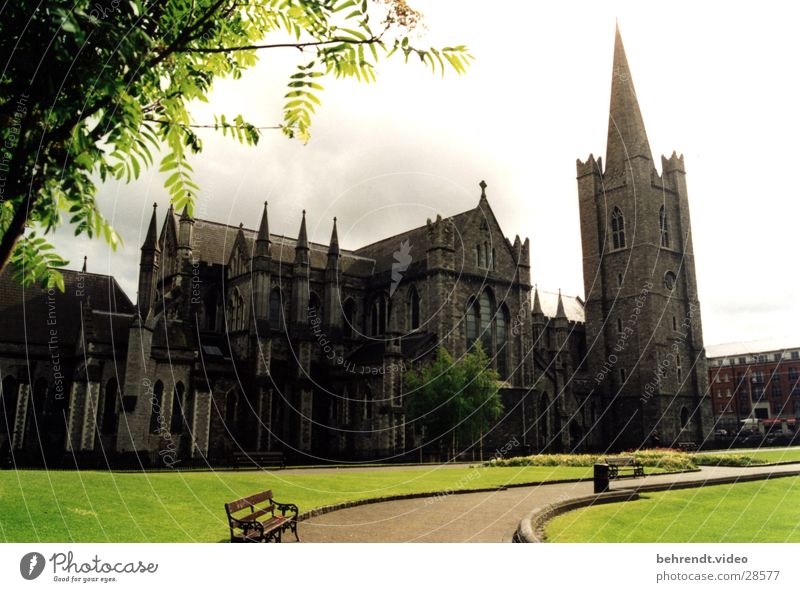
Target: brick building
(755,380)
(245,340)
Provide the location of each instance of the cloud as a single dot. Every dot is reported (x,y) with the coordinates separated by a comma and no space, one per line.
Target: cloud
(385,157)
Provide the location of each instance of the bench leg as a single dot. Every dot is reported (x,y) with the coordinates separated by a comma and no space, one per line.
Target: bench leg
(294,530)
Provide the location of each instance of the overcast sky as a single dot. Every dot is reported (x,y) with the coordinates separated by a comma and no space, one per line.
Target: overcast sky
(717,83)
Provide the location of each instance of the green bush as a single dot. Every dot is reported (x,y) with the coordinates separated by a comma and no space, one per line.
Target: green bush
(664,458)
(724,460)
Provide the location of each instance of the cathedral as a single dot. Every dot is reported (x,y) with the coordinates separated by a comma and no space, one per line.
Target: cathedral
(241,340)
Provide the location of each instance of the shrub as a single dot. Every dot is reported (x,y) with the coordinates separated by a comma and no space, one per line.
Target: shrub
(664,458)
(724,460)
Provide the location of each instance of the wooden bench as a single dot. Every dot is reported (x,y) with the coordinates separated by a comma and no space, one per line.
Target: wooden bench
(688,446)
(253,519)
(624,463)
(258,459)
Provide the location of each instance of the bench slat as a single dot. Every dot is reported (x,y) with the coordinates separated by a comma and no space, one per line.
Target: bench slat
(256,514)
(233,507)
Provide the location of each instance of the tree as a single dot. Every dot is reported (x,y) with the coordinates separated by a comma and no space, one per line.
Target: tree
(92,90)
(454,401)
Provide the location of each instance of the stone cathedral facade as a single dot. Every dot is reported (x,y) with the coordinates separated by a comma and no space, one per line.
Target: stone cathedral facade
(243,340)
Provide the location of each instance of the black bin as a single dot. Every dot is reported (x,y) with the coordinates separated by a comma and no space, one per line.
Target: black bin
(601,478)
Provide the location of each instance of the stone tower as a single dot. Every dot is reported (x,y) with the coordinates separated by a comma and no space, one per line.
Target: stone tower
(643,327)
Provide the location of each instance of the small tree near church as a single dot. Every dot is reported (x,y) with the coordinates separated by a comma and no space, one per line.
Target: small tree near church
(453,402)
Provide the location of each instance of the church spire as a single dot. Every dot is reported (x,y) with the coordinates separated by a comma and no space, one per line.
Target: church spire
(150,241)
(627,138)
(537,305)
(560,314)
(301,248)
(262,239)
(333,248)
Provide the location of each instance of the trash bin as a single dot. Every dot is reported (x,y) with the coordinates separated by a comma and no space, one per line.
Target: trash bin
(600,478)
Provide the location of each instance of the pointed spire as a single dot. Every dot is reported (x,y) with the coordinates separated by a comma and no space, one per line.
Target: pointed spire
(302,238)
(483,186)
(83,269)
(301,248)
(263,228)
(185,213)
(169,222)
(262,239)
(150,241)
(627,137)
(537,306)
(333,249)
(560,314)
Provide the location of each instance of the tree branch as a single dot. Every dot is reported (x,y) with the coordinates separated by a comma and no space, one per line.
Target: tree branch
(300,46)
(215,126)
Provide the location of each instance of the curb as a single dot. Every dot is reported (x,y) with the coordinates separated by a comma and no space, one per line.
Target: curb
(531,527)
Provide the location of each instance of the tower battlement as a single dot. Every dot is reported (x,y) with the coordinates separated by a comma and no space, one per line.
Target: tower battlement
(592,166)
(673,164)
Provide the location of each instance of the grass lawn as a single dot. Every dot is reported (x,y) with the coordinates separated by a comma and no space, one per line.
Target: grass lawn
(763,456)
(93,506)
(753,512)
(773,456)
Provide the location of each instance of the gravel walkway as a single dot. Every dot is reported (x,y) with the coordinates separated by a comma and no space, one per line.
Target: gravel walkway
(476,517)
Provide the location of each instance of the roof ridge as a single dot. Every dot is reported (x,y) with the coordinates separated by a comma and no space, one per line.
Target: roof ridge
(410,230)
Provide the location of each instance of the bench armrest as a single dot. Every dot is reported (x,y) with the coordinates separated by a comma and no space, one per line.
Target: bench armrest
(286,508)
(248,526)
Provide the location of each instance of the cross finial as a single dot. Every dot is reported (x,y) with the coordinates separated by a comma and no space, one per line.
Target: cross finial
(483,188)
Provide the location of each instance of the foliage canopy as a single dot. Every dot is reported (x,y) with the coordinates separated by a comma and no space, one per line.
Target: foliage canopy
(93,90)
(454,401)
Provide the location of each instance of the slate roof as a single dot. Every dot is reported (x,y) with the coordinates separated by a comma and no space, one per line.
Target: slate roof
(212,242)
(26,311)
(573,305)
(382,252)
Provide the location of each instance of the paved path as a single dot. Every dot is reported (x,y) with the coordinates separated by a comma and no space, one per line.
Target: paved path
(474,517)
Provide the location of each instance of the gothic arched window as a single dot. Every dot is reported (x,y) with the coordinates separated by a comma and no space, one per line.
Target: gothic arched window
(236,311)
(472,322)
(486,311)
(109,422)
(379,313)
(684,418)
(314,308)
(276,309)
(349,324)
(413,308)
(501,331)
(176,423)
(617,229)
(662,224)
